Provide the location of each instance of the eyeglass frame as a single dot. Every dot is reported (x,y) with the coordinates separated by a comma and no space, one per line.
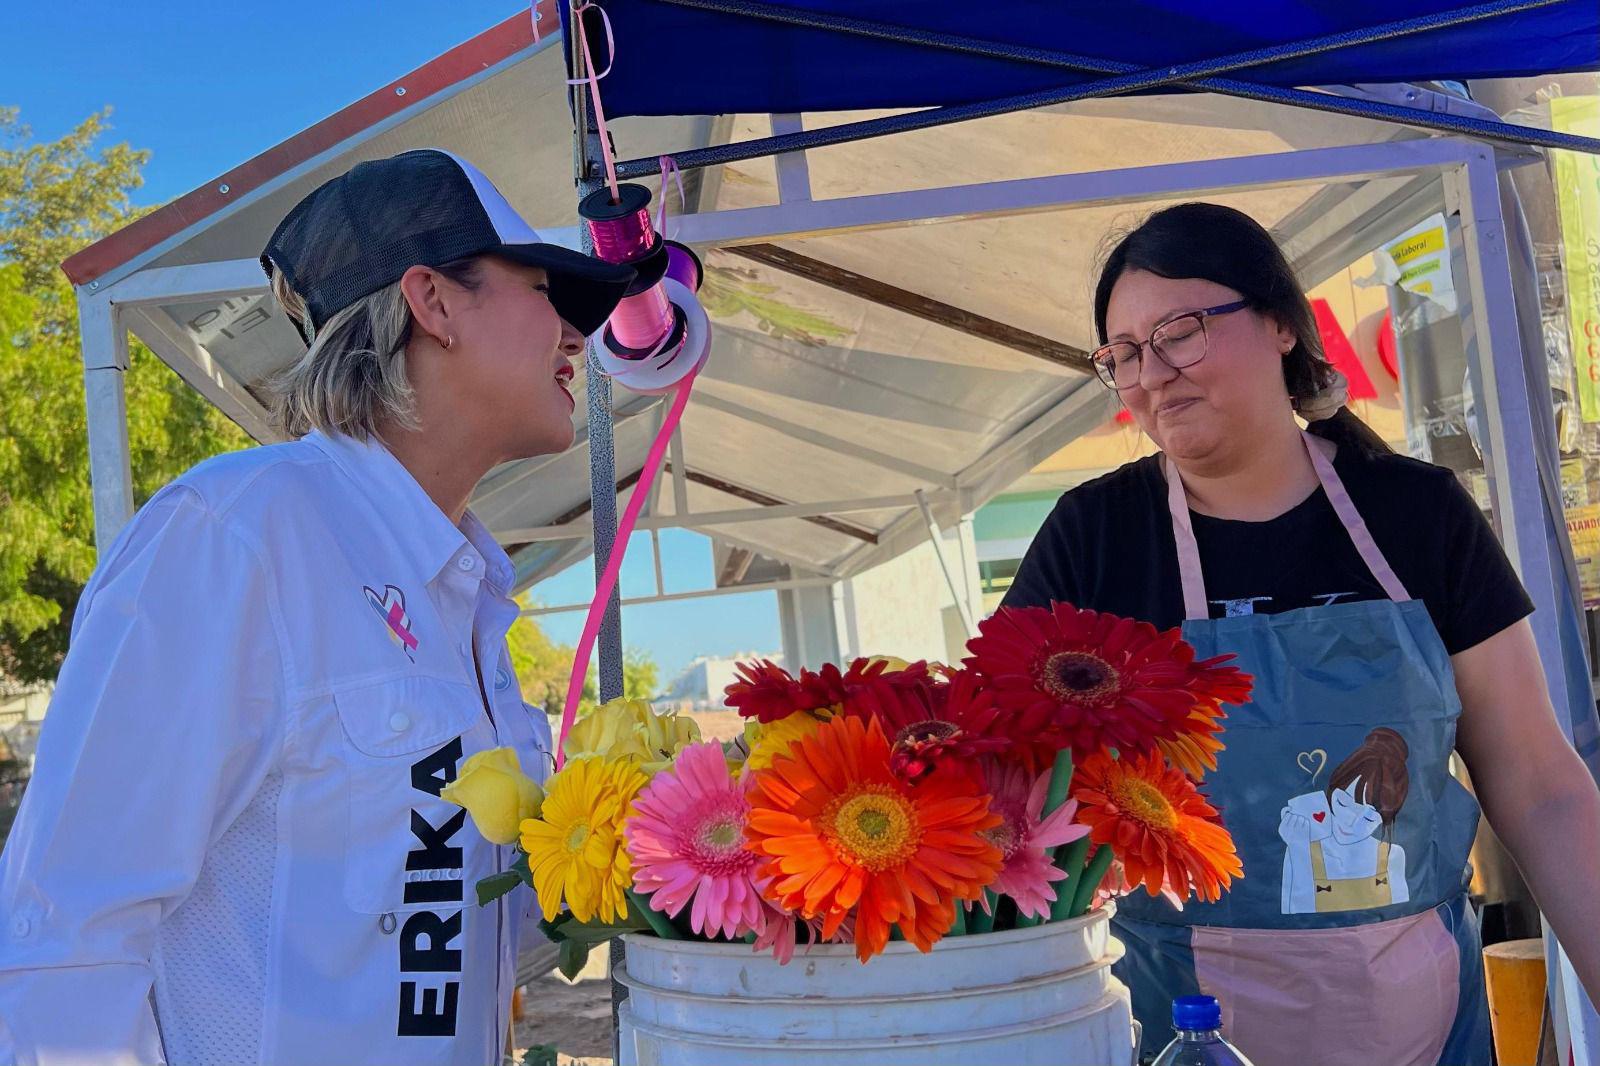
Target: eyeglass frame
(1201,315)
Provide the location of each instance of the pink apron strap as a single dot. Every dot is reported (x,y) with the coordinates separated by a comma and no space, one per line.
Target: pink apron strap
(1354,524)
(1195,606)
(1194,584)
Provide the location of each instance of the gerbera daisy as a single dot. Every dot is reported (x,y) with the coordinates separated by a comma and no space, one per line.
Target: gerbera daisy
(766,691)
(930,722)
(574,847)
(1158,824)
(1026,837)
(686,840)
(781,932)
(768,741)
(841,833)
(1091,681)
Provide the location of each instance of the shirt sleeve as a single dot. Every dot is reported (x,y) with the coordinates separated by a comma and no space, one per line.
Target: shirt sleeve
(1483,594)
(1045,573)
(162,726)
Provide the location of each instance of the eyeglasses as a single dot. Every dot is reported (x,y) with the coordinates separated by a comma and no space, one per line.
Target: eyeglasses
(1179,342)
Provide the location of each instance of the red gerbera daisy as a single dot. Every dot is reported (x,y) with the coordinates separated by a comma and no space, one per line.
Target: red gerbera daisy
(930,722)
(1092,681)
(767,692)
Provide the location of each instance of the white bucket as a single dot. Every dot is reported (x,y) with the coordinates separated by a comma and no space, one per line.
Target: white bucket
(1025,997)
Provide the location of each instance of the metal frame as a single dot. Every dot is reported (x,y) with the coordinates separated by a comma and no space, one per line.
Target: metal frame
(1470,169)
(1124,78)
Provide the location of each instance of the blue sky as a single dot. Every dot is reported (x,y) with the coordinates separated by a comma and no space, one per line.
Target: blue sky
(207,85)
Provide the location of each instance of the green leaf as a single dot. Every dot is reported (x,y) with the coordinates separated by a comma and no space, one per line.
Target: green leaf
(494,886)
(571,956)
(539,1055)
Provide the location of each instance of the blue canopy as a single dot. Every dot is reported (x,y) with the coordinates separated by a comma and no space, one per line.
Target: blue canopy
(676,60)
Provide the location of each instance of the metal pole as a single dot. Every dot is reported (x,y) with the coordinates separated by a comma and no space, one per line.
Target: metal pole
(1128,80)
(602,481)
(105,360)
(956,592)
(1519,496)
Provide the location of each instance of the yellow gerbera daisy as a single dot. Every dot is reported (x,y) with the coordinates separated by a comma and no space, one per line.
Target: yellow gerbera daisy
(769,741)
(575,846)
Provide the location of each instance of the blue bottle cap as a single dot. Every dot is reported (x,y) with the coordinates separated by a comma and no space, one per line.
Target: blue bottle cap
(1196,1013)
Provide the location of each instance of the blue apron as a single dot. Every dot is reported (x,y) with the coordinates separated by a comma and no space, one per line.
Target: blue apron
(1350,938)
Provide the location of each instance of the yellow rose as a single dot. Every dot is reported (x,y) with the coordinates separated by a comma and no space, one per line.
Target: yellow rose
(630,729)
(495,791)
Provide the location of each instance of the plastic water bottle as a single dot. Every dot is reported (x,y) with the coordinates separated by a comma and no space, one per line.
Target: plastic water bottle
(1198,1020)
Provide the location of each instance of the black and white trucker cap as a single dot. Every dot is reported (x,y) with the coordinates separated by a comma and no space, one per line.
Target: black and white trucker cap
(364,229)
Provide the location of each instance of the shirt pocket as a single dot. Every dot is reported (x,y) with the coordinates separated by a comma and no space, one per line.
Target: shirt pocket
(404,740)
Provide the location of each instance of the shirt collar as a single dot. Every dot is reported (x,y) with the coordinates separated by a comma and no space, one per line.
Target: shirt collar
(423,533)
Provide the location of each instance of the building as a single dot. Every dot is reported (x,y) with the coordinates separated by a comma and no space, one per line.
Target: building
(699,686)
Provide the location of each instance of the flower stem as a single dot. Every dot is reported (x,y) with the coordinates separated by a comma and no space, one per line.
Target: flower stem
(1026,921)
(1060,781)
(983,921)
(1091,880)
(660,924)
(958,927)
(1070,857)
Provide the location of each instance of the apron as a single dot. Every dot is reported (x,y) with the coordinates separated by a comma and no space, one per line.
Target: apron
(1350,938)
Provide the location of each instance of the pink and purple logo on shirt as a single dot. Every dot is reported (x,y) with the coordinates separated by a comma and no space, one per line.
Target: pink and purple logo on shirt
(391,607)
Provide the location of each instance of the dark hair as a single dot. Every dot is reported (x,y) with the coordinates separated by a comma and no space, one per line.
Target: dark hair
(1220,244)
(1380,764)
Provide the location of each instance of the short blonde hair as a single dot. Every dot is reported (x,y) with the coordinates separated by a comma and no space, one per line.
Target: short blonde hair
(353,377)
(354,374)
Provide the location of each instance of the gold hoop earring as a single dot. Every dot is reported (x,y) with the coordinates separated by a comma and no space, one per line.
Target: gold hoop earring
(448,341)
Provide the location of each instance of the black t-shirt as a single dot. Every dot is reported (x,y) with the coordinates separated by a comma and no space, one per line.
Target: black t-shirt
(1108,546)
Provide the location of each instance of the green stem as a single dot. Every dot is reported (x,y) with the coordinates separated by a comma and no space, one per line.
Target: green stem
(958,927)
(1060,781)
(1027,921)
(1091,880)
(660,924)
(1070,857)
(983,921)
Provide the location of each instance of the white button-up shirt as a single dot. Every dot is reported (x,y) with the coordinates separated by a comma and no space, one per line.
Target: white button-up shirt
(233,849)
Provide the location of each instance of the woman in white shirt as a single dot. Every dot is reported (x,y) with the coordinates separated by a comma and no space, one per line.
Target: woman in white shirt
(233,849)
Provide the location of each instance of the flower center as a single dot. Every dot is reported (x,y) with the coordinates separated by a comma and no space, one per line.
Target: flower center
(1145,803)
(577,837)
(1078,677)
(721,835)
(927,729)
(1005,837)
(713,840)
(875,828)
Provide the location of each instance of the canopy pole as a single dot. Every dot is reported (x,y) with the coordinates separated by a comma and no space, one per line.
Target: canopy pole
(105,360)
(957,593)
(1128,79)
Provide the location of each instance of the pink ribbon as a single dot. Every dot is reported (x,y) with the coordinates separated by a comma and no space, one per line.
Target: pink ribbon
(619,546)
(591,79)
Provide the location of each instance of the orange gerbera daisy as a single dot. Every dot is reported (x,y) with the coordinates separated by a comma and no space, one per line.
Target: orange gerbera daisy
(1158,825)
(1090,681)
(843,835)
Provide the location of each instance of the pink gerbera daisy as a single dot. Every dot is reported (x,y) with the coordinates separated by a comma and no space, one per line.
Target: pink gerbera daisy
(1026,839)
(686,840)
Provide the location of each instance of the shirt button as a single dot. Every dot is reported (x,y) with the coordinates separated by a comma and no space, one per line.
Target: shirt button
(399,721)
(21,927)
(465,562)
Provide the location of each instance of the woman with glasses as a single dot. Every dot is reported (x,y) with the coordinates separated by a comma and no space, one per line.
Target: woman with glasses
(1385,630)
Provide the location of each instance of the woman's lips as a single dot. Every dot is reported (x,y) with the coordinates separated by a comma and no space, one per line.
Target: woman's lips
(1172,407)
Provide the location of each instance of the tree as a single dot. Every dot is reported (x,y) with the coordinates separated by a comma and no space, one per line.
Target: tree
(544,668)
(55,198)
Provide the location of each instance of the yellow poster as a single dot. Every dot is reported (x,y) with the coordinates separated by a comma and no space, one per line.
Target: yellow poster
(1578,195)
(1583,528)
